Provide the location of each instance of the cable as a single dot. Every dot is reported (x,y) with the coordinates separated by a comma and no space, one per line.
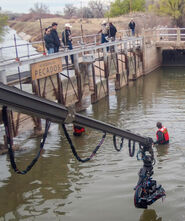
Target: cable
(115,143)
(74,150)
(9,143)
(140,152)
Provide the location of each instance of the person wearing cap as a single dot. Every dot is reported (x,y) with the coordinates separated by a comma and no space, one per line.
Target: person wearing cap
(131,26)
(162,134)
(55,37)
(67,41)
(104,32)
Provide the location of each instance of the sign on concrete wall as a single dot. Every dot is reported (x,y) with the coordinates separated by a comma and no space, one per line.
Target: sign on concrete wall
(46,68)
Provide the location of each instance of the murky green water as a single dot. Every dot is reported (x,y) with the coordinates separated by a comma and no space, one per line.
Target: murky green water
(60,188)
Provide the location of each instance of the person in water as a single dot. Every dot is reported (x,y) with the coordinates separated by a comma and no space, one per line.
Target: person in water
(77,130)
(161,134)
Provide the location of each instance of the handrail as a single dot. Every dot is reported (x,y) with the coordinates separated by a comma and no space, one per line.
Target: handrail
(128,43)
(76,44)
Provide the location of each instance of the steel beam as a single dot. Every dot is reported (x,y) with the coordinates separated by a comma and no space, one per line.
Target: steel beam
(30,104)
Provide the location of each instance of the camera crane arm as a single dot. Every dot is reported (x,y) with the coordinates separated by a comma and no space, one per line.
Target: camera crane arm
(31,104)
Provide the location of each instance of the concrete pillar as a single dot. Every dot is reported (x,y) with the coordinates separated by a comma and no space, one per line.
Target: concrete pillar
(3,78)
(90,76)
(178,35)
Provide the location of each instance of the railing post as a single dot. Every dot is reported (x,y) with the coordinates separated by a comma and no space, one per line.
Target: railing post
(178,35)
(1,54)
(125,46)
(157,34)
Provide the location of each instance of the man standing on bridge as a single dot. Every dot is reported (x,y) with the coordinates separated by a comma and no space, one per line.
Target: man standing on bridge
(162,134)
(67,41)
(55,37)
(132,26)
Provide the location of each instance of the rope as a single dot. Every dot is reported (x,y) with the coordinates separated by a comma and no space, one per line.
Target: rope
(9,144)
(115,143)
(74,150)
(131,151)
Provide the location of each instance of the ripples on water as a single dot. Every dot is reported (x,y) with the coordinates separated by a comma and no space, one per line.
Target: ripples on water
(60,188)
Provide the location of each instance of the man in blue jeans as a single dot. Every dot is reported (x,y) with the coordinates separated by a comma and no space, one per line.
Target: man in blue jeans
(132,26)
(67,41)
(55,37)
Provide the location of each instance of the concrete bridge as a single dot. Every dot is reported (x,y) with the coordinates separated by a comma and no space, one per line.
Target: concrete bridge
(98,69)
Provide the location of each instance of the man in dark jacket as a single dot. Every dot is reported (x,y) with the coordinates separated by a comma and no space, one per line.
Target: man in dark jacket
(132,26)
(55,37)
(67,41)
(49,43)
(112,31)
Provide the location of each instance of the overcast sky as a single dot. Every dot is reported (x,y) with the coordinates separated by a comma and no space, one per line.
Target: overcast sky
(24,5)
(53,5)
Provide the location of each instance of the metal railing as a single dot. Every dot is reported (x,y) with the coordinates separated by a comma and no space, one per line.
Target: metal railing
(121,45)
(171,34)
(18,52)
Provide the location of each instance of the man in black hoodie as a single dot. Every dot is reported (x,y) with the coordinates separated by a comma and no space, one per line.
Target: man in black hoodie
(55,37)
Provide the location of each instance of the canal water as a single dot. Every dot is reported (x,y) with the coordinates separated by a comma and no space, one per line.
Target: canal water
(60,188)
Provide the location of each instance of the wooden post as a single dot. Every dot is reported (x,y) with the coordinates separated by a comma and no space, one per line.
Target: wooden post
(127,67)
(60,96)
(78,79)
(36,120)
(94,95)
(117,82)
(106,68)
(135,66)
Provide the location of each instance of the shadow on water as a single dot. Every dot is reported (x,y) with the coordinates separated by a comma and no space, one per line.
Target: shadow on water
(149,215)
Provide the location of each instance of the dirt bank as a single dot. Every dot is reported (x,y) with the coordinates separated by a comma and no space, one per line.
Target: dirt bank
(90,26)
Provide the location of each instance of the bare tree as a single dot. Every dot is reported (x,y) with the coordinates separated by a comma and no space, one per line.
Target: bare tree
(85,12)
(40,8)
(97,8)
(69,10)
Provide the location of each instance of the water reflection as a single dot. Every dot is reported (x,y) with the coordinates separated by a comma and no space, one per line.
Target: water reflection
(162,150)
(149,215)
